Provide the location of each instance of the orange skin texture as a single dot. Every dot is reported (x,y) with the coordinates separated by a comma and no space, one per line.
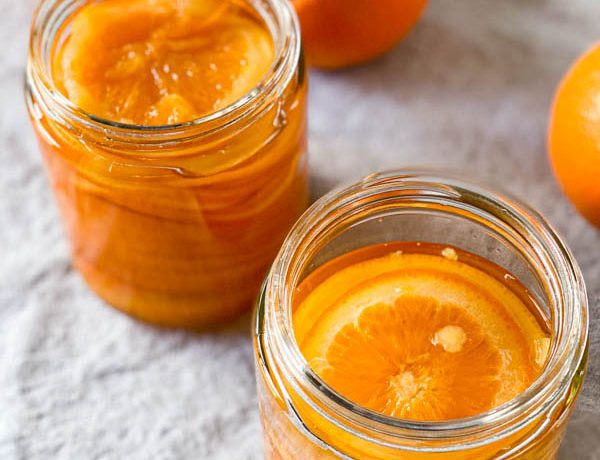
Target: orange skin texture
(574,135)
(343,33)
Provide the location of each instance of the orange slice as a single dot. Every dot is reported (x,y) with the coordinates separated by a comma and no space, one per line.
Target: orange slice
(154,62)
(420,337)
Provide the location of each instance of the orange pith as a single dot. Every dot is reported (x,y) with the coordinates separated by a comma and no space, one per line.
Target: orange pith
(420,337)
(154,62)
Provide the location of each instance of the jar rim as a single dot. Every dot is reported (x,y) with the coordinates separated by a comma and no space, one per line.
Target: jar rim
(566,356)
(284,29)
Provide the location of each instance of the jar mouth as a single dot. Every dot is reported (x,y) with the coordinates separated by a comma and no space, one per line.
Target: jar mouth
(566,293)
(49,15)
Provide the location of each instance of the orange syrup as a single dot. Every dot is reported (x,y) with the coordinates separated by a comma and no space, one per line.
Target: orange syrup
(420,331)
(159,62)
(175,223)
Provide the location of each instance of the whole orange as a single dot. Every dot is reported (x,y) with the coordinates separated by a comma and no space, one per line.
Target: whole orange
(341,33)
(574,134)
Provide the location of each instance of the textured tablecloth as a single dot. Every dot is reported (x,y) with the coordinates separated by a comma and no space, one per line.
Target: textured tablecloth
(469,90)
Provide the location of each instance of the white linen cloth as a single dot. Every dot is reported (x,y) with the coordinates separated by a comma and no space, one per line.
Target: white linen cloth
(470,90)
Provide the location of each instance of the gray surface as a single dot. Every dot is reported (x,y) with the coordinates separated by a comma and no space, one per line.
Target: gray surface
(469,90)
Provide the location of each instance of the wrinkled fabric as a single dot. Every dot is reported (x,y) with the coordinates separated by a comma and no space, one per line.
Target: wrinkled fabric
(468,90)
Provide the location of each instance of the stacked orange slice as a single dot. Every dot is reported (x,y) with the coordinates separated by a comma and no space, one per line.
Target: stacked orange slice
(421,337)
(155,62)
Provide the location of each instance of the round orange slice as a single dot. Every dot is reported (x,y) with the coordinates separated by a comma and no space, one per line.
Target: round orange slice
(156,62)
(420,337)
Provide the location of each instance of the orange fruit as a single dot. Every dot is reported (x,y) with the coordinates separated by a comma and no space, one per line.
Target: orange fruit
(342,33)
(154,62)
(574,135)
(420,337)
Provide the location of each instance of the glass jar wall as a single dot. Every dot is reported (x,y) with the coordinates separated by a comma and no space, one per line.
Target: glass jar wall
(304,418)
(176,224)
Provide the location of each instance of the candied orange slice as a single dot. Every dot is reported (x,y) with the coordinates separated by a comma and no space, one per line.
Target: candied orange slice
(154,62)
(420,337)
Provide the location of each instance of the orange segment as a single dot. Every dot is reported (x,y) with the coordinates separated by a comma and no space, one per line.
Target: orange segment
(420,337)
(155,62)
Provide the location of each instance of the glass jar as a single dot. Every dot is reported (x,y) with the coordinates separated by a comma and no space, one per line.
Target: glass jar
(178,224)
(304,418)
